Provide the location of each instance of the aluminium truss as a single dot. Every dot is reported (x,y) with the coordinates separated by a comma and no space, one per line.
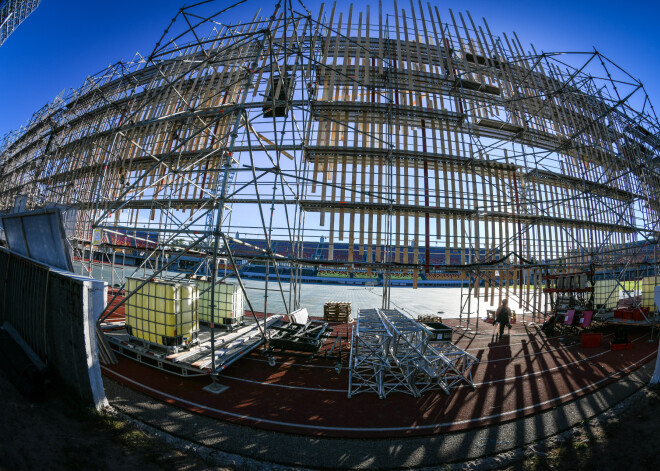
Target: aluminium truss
(391,352)
(369,358)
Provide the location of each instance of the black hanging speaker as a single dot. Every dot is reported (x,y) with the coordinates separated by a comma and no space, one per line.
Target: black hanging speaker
(277,107)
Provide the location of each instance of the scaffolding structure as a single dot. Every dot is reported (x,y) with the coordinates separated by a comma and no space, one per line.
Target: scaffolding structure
(13,13)
(392,131)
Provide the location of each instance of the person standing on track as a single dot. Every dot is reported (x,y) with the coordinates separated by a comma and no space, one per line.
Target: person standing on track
(502,316)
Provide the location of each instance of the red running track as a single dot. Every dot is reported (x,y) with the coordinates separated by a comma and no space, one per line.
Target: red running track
(518,376)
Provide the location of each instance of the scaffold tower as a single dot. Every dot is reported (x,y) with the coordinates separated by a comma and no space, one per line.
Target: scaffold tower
(12,14)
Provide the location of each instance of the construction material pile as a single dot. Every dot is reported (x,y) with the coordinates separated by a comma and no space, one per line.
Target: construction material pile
(429,318)
(337,312)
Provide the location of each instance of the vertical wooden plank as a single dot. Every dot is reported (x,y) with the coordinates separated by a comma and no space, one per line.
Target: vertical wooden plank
(381,29)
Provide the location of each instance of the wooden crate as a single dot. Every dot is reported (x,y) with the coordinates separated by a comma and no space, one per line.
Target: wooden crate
(337,311)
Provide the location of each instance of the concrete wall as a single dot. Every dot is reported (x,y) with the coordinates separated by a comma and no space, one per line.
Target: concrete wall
(55,312)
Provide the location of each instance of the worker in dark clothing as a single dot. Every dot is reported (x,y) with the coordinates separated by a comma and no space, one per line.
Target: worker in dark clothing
(502,316)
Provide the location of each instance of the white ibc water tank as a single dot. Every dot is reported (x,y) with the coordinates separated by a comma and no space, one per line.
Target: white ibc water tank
(606,294)
(229,303)
(648,286)
(162,312)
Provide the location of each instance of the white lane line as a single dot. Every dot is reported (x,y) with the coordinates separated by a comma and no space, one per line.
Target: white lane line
(535,352)
(492,347)
(536,373)
(293,363)
(375,429)
(277,385)
(495,381)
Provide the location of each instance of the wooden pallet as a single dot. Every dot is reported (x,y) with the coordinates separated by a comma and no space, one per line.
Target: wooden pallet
(337,311)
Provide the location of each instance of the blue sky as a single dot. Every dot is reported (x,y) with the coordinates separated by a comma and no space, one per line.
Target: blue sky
(63,42)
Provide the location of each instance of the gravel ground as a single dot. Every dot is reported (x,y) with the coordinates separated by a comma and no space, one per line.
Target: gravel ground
(58,433)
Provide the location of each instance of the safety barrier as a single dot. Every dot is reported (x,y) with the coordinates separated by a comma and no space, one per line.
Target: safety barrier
(55,313)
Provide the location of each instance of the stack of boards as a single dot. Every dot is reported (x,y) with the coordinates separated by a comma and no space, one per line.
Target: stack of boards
(337,312)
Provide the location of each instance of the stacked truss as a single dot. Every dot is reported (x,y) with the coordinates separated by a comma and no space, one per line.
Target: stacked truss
(407,354)
(12,14)
(454,367)
(393,133)
(391,352)
(370,350)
